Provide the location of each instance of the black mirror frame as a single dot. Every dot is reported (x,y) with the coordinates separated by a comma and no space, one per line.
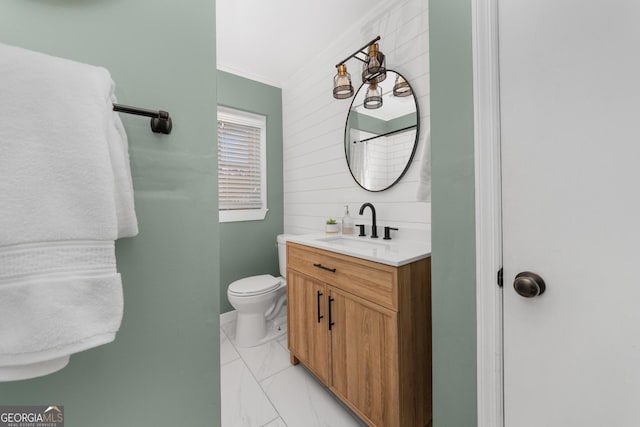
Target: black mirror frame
(415,143)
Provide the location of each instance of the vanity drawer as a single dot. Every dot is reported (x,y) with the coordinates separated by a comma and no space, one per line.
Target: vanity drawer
(370,280)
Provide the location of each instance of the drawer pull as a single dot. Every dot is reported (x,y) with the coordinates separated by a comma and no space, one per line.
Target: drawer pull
(330,321)
(333,270)
(319,316)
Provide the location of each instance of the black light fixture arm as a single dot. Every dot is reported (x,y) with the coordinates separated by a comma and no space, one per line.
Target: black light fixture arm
(160,120)
(385,134)
(361,50)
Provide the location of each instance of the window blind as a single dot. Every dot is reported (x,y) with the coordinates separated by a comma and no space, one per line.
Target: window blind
(239,166)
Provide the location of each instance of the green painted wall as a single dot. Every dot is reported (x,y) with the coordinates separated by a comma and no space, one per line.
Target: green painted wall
(366,123)
(249,247)
(378,126)
(453,214)
(163,368)
(402,122)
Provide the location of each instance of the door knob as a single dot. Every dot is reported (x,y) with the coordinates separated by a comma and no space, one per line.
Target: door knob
(529,285)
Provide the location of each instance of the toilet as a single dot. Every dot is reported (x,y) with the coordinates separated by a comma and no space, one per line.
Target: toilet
(259,299)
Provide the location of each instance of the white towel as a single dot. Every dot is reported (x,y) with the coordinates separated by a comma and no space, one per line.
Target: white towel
(65,195)
(423,193)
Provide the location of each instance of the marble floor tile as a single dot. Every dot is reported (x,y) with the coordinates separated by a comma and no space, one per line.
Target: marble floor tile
(302,401)
(228,352)
(261,388)
(244,404)
(284,342)
(276,423)
(265,360)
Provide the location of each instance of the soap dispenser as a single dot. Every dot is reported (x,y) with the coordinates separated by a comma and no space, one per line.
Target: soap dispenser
(347,222)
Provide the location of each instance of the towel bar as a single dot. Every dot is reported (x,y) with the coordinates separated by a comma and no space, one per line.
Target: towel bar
(160,120)
(385,134)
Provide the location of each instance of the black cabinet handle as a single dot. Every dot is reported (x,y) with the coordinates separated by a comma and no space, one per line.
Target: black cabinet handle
(319,316)
(333,270)
(330,321)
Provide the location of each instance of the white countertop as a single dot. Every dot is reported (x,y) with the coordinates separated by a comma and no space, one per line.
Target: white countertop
(394,252)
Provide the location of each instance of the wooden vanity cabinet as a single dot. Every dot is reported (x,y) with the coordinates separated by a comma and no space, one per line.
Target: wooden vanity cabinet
(308,333)
(364,329)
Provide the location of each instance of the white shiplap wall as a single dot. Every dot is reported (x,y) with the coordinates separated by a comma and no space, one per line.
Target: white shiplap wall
(317,181)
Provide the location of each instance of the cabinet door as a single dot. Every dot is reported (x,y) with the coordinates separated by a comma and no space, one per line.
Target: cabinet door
(364,357)
(307,317)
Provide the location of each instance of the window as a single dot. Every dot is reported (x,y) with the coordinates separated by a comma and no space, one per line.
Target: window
(242,166)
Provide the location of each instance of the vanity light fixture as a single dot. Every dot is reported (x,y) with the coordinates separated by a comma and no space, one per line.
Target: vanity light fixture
(342,87)
(373,98)
(373,70)
(401,87)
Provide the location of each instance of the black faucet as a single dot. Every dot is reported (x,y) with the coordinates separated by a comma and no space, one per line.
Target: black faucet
(374,227)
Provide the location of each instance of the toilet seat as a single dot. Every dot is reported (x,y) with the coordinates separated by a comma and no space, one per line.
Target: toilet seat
(254,285)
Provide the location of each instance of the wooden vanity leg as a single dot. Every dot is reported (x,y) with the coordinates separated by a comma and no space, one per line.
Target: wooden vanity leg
(294,360)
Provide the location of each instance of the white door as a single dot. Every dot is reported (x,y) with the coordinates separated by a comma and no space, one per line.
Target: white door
(570,118)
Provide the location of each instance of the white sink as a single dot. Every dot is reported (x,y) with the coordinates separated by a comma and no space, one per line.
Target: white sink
(395,252)
(356,243)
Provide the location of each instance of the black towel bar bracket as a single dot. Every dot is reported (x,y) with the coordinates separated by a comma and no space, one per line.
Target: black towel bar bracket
(160,120)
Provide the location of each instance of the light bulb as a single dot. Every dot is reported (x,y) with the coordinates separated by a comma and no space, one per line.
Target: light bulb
(342,87)
(373,98)
(374,69)
(401,87)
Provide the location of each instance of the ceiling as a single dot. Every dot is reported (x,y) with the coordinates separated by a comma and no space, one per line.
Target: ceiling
(267,40)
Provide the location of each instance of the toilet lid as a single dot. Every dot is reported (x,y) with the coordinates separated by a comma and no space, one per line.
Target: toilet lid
(254,285)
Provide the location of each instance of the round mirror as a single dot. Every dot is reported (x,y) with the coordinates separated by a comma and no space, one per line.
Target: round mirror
(381,133)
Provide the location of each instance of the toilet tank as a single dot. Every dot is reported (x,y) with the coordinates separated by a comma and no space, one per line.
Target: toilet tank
(282,253)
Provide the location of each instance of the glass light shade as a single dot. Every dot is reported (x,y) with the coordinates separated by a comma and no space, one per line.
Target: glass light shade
(373,98)
(342,87)
(374,70)
(401,87)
